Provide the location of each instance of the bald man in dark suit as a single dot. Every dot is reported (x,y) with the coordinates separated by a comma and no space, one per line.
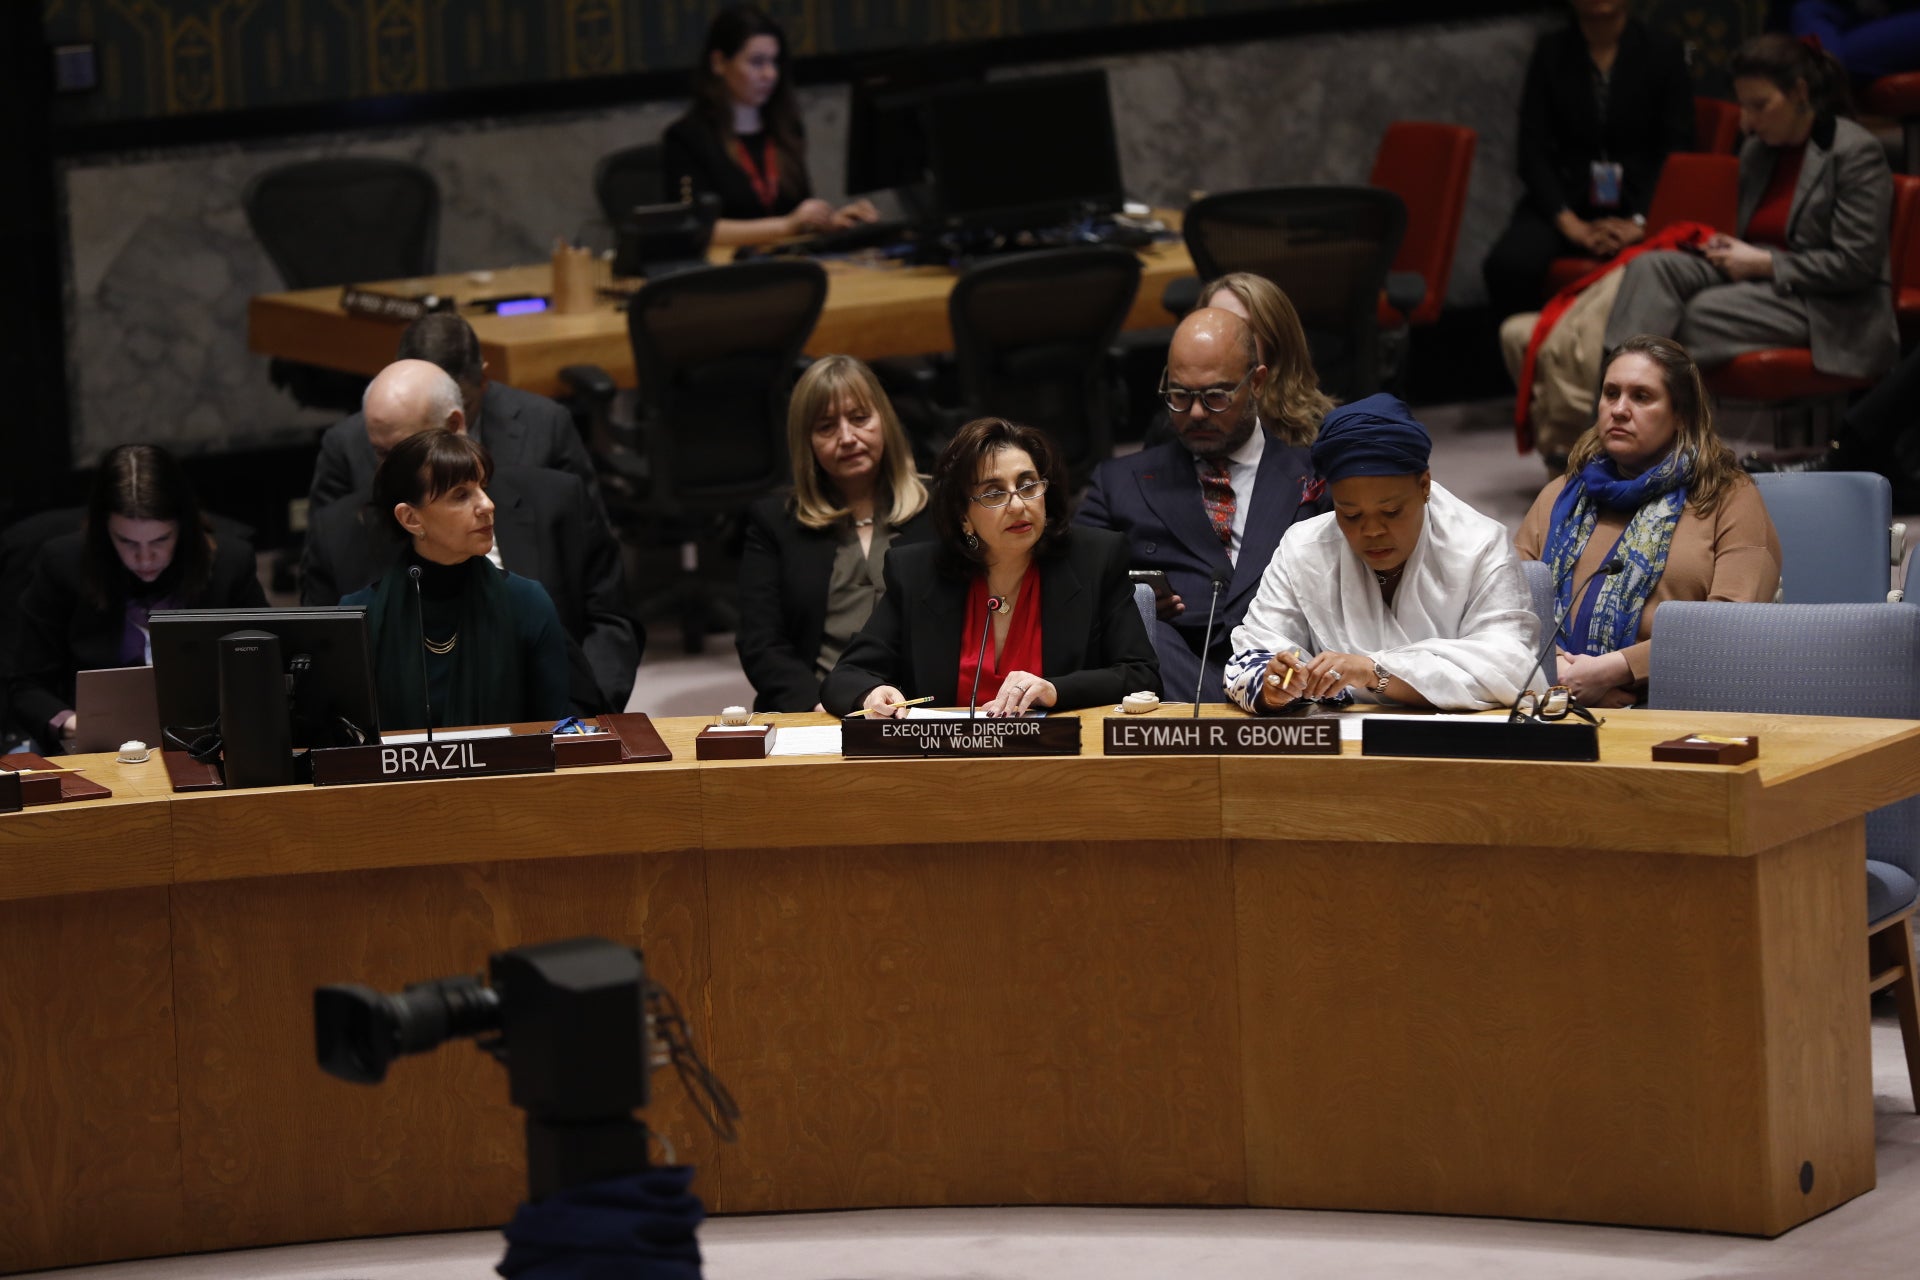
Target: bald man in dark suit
(518,427)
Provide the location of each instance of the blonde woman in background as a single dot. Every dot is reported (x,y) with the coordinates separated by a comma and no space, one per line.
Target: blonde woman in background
(812,568)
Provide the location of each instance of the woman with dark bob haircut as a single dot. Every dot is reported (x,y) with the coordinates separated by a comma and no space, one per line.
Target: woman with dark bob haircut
(489,642)
(1053,599)
(145,546)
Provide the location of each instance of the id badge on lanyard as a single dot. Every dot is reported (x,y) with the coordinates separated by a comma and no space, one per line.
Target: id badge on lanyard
(1603,184)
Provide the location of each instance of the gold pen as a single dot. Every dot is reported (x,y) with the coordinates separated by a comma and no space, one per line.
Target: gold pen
(910,702)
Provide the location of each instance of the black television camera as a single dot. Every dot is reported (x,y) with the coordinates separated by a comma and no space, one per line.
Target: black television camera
(579,1028)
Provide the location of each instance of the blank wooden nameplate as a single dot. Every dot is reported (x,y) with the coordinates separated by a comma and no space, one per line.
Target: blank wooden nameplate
(733,742)
(448,757)
(865,738)
(1707,748)
(1488,739)
(1221,736)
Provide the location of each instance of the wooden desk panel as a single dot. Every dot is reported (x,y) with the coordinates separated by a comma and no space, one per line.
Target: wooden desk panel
(89,1099)
(123,841)
(1002,1022)
(274,1150)
(1521,1033)
(290,830)
(872,312)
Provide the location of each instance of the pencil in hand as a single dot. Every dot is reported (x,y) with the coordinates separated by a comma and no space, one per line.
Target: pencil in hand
(910,702)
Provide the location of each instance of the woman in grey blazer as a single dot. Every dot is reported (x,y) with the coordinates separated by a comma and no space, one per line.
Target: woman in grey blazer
(1809,266)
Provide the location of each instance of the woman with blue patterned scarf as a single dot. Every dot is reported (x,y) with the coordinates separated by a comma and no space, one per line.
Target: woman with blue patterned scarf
(1649,485)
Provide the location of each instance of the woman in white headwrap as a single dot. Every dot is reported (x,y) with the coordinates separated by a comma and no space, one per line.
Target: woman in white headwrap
(1402,593)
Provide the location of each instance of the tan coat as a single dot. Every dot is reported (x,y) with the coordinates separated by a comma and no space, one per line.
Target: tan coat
(1734,554)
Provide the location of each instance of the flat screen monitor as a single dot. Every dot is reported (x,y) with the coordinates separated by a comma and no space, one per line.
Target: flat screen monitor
(656,240)
(1031,148)
(334,703)
(886,122)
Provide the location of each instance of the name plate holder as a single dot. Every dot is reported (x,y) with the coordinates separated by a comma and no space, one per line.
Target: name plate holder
(446,758)
(865,739)
(1220,736)
(1477,739)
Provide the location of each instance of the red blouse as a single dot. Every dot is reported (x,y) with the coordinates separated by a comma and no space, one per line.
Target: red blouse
(1022,649)
(1768,225)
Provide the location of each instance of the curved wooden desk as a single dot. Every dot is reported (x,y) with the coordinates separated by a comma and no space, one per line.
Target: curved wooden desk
(1623,992)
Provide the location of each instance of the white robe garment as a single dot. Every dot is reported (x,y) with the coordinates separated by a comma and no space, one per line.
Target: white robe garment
(1462,628)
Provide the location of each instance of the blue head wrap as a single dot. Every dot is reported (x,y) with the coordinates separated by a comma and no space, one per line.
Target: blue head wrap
(1376,436)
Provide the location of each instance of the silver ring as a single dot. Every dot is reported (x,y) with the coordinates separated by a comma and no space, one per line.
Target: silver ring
(1273,680)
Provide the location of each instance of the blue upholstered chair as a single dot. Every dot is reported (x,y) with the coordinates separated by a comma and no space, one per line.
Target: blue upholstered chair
(1834,534)
(1833,660)
(1540,587)
(1143,601)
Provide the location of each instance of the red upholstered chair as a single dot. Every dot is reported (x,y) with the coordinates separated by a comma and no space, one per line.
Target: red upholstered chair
(1716,126)
(1906,258)
(1427,165)
(1694,187)
(1899,97)
(1785,376)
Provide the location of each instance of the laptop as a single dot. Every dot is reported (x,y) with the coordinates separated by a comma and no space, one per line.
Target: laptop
(116,705)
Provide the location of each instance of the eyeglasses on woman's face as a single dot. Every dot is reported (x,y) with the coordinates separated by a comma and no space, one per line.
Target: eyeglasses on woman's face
(1029,493)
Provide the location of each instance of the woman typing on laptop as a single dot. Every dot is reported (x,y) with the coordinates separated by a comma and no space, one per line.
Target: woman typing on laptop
(145,546)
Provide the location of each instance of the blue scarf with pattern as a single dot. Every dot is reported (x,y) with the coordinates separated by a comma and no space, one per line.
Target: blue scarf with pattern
(1656,498)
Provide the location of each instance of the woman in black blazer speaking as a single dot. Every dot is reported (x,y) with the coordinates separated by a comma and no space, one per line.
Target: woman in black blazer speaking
(811,570)
(1053,601)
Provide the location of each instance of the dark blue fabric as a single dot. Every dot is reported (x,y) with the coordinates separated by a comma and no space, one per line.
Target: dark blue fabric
(1889,889)
(1377,436)
(1609,620)
(634,1228)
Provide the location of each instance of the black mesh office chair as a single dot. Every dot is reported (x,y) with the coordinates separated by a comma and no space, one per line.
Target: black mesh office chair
(347,220)
(628,178)
(1030,340)
(715,352)
(1329,248)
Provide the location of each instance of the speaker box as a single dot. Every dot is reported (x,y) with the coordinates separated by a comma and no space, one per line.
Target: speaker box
(257,741)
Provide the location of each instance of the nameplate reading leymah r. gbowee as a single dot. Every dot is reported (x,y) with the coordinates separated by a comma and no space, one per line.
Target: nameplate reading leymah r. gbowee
(416,761)
(1013,736)
(1221,736)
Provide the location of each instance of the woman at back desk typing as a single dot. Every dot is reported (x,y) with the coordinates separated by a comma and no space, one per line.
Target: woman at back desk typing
(742,141)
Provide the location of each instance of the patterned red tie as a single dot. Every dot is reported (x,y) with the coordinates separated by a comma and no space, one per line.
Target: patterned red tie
(1216,494)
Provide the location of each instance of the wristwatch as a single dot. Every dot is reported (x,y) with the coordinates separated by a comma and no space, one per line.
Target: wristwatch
(1380,677)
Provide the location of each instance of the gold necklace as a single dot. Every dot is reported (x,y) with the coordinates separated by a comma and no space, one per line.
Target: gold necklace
(442,647)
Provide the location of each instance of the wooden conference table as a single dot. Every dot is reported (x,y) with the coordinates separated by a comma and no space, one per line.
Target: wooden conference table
(1622,992)
(872,311)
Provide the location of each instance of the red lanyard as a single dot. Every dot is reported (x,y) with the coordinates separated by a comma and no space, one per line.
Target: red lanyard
(765,185)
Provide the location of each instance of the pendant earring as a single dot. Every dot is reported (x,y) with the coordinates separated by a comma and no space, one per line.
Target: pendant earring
(973,543)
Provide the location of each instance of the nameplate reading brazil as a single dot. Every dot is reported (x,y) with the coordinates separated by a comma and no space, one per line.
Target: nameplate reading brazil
(416,761)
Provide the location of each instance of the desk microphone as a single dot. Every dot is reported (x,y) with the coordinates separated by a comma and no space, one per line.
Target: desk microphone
(1206,640)
(994,606)
(1606,570)
(420,613)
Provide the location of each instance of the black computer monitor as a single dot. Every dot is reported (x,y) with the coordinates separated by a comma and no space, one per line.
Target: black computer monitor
(886,121)
(1032,149)
(334,702)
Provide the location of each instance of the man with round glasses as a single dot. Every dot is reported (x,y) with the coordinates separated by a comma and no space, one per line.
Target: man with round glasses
(1211,504)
